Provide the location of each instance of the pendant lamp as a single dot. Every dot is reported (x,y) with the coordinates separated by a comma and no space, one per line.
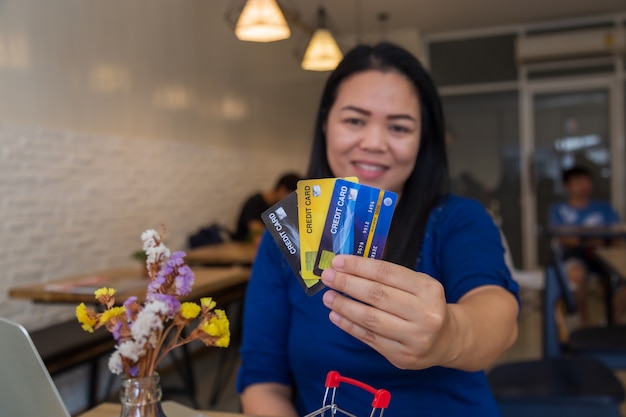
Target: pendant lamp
(261,21)
(322,53)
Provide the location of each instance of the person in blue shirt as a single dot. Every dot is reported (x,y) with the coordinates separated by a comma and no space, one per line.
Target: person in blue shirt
(425,321)
(250,227)
(581,210)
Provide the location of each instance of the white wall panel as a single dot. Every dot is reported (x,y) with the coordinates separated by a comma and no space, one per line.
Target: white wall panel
(150,69)
(117,116)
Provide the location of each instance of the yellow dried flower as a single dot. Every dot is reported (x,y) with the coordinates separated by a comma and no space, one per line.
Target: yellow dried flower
(223,341)
(104,292)
(84,318)
(146,326)
(208,302)
(218,326)
(113,312)
(189,310)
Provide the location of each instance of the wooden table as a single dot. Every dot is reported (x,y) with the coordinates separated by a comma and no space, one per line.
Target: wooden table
(608,234)
(614,259)
(228,253)
(224,284)
(170,408)
(590,232)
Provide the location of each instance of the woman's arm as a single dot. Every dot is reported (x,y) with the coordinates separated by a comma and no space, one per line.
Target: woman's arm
(485,327)
(264,372)
(404,315)
(268,400)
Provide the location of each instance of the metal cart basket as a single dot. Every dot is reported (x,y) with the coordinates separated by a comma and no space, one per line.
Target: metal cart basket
(333,379)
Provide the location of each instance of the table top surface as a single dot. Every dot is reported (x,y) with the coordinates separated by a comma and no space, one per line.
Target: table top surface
(615,230)
(170,408)
(614,257)
(128,282)
(228,253)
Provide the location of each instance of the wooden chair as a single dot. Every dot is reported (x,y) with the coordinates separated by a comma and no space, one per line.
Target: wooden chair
(557,385)
(573,387)
(605,343)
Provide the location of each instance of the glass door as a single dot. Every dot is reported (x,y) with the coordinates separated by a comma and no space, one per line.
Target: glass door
(569,128)
(484,156)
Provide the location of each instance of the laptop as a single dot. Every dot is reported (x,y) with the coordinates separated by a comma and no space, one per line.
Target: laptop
(26,388)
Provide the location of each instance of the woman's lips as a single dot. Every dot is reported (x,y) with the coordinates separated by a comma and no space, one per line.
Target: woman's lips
(369,171)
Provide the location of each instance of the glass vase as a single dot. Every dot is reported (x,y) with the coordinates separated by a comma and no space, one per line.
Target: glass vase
(141,397)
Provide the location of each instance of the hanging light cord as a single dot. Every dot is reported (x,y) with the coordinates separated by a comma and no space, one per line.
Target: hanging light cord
(358,13)
(383,18)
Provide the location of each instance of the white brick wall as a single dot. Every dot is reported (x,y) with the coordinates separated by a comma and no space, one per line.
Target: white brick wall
(73,203)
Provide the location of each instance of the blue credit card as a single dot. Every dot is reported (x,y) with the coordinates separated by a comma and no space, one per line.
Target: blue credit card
(354,224)
(364,215)
(380,225)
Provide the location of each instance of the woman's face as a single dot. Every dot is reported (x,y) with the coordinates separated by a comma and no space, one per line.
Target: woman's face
(373,129)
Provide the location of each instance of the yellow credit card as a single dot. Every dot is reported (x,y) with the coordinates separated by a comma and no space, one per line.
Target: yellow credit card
(313,202)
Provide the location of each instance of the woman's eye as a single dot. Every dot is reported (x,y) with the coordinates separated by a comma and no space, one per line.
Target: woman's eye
(399,129)
(354,121)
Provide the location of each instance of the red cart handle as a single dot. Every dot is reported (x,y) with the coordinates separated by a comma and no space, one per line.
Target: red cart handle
(381,396)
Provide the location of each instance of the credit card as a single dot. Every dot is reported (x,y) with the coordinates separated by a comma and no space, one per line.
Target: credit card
(381,223)
(326,217)
(358,222)
(282,222)
(337,234)
(313,202)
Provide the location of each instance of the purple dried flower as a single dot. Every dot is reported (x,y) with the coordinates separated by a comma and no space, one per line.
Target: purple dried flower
(157,282)
(166,270)
(184,280)
(130,300)
(177,259)
(116,330)
(140,338)
(171,302)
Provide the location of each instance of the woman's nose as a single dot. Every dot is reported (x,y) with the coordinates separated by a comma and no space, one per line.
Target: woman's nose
(374,139)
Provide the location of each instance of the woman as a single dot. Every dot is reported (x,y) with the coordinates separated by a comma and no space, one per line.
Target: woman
(422,323)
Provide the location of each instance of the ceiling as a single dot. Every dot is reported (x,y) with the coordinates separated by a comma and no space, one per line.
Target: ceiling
(433,16)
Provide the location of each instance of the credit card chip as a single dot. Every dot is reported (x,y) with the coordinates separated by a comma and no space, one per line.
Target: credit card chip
(326,259)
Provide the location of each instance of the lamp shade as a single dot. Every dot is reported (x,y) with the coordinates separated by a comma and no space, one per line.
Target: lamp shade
(261,21)
(322,53)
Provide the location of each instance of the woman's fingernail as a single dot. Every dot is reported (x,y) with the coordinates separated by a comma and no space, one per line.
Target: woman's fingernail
(338,262)
(328,298)
(334,317)
(328,276)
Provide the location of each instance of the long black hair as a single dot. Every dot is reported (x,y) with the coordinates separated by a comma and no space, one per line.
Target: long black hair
(429,181)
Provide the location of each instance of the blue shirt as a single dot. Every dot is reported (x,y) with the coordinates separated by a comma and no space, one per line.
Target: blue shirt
(289,339)
(596,213)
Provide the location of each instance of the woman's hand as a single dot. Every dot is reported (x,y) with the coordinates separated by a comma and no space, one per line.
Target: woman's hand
(404,315)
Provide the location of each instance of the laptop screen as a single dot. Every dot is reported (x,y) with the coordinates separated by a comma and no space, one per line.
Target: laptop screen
(27,388)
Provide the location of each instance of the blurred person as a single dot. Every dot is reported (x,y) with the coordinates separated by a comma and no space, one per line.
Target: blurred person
(579,209)
(250,227)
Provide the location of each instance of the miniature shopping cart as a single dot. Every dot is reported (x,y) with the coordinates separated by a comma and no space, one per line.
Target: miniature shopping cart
(333,379)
